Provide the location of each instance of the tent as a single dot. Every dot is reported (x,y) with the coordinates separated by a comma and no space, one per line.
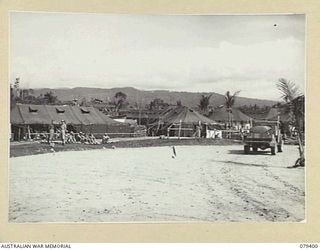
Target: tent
(274,114)
(180,121)
(23,114)
(59,113)
(222,115)
(26,117)
(185,115)
(233,119)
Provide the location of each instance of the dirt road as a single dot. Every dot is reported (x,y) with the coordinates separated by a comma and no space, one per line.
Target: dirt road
(202,183)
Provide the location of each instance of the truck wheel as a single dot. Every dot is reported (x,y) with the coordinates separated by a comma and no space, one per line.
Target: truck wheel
(273,150)
(246,149)
(255,149)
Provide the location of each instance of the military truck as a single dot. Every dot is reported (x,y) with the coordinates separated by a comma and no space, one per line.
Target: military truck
(264,135)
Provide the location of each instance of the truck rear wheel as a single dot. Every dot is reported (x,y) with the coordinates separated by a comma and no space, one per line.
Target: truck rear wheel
(246,149)
(255,149)
(273,150)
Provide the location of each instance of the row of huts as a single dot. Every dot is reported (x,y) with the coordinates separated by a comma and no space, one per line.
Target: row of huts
(178,121)
(185,122)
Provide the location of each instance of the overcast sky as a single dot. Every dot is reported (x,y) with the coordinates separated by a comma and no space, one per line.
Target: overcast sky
(176,52)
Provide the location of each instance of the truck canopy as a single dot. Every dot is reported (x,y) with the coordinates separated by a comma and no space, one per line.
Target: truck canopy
(260,129)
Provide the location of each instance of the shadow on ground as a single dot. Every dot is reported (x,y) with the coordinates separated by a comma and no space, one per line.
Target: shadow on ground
(248,164)
(241,152)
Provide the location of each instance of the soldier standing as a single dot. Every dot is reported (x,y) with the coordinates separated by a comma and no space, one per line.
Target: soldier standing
(63,131)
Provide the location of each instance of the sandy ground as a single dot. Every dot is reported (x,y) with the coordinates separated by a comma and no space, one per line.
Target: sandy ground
(203,183)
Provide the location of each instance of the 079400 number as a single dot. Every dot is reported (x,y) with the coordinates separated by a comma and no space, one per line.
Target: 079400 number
(308,245)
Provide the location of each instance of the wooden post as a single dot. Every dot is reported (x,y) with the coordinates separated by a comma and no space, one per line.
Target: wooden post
(19,134)
(179,133)
(29,135)
(228,127)
(139,119)
(158,126)
(206,134)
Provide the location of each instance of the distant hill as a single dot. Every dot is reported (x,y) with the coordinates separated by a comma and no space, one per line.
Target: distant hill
(144,97)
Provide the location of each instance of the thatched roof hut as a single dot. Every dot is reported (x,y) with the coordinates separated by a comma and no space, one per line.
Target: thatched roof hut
(223,115)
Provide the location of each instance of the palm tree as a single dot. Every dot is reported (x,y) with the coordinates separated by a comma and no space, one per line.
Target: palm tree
(295,101)
(230,99)
(50,98)
(229,103)
(120,99)
(204,102)
(12,97)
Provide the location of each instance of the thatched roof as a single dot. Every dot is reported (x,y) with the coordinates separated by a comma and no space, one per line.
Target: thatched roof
(274,113)
(185,115)
(221,114)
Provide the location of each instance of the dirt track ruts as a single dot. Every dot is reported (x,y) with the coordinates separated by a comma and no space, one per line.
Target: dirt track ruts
(203,183)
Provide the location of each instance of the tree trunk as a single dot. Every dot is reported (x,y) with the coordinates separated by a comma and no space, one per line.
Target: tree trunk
(301,160)
(229,125)
(179,132)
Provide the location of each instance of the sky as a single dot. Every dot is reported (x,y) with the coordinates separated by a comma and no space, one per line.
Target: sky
(195,53)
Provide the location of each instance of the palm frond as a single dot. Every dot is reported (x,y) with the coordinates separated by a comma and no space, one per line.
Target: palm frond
(295,105)
(288,90)
(236,93)
(204,102)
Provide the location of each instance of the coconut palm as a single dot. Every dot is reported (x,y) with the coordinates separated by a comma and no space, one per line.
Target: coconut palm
(204,102)
(12,97)
(50,98)
(230,99)
(295,101)
(120,99)
(229,103)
